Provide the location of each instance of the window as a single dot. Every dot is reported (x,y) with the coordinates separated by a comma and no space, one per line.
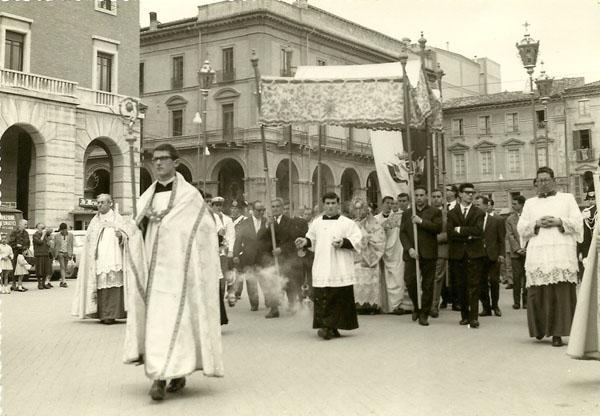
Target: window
(107,6)
(104,72)
(177,79)
(321,62)
(541,155)
(228,121)
(484,125)
(541,119)
(286,62)
(485,159)
(177,122)
(584,108)
(141,78)
(13,53)
(514,161)
(457,127)
(582,139)
(512,122)
(459,164)
(228,66)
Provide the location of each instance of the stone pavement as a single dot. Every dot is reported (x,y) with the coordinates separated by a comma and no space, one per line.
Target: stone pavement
(53,365)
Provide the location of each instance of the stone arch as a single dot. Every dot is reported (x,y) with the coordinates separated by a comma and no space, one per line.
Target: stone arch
(21,147)
(103,153)
(229,174)
(349,185)
(185,171)
(327,182)
(282,186)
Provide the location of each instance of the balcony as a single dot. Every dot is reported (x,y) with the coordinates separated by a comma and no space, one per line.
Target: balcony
(37,83)
(99,100)
(582,155)
(541,124)
(225,76)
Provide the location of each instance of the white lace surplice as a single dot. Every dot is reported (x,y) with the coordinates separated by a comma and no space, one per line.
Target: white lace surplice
(109,264)
(551,254)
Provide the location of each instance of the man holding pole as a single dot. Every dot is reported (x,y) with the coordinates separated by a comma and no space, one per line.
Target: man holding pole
(429,223)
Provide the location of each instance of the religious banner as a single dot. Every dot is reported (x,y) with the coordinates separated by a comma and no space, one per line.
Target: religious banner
(391,171)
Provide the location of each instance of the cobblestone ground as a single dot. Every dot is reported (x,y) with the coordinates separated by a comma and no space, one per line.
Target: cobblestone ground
(54,365)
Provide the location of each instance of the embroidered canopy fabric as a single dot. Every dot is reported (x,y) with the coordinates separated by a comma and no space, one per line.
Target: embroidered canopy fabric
(361,96)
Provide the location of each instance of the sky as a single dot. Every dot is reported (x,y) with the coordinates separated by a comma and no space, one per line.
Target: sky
(568,30)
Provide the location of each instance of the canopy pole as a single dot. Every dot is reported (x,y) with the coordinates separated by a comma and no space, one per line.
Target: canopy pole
(411,184)
(319,173)
(254,61)
(428,135)
(290,182)
(442,158)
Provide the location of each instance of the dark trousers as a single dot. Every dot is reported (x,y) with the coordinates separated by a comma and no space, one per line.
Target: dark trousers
(294,278)
(467,272)
(427,278)
(454,289)
(519,280)
(489,283)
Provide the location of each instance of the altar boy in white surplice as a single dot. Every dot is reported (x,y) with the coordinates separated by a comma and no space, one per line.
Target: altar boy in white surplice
(334,238)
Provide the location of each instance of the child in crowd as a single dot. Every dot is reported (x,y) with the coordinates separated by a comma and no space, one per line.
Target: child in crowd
(6,258)
(22,269)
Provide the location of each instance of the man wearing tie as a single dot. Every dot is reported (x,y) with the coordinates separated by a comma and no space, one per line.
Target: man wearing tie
(465,230)
(250,252)
(494,233)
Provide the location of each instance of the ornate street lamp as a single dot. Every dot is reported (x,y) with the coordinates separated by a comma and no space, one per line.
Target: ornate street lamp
(528,51)
(544,86)
(129,110)
(206,77)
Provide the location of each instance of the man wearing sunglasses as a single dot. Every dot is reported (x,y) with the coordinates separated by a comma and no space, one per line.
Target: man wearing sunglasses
(466,251)
(173,269)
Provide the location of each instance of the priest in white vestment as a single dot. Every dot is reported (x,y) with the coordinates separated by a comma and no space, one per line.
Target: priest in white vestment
(173,324)
(334,239)
(100,283)
(396,299)
(550,227)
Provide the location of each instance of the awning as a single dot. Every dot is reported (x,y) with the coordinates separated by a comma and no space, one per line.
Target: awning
(361,96)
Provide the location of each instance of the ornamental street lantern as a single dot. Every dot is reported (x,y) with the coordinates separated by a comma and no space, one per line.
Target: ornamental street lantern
(528,51)
(544,85)
(206,75)
(129,111)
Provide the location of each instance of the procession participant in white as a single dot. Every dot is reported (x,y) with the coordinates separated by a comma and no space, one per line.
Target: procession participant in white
(226,237)
(392,264)
(173,274)
(550,226)
(333,238)
(100,285)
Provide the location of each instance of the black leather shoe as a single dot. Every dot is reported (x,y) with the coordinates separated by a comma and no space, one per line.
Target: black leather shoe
(486,313)
(464,322)
(176,384)
(63,284)
(47,286)
(455,307)
(557,342)
(335,333)
(516,306)
(524,305)
(273,313)
(497,311)
(474,324)
(415,315)
(539,337)
(41,286)
(434,314)
(157,391)
(423,320)
(400,311)
(253,308)
(325,333)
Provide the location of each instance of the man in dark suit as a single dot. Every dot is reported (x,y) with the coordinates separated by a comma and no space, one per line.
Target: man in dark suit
(494,233)
(517,253)
(589,221)
(465,231)
(250,251)
(429,224)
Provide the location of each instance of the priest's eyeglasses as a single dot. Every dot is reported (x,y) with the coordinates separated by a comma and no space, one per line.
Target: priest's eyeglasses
(161,159)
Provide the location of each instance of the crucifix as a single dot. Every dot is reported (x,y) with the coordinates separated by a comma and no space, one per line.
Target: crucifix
(526,26)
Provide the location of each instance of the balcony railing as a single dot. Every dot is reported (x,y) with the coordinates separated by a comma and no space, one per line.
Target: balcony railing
(225,76)
(99,98)
(39,83)
(541,124)
(583,155)
(240,137)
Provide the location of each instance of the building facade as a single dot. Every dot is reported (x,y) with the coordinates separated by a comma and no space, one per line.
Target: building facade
(64,69)
(490,141)
(283,36)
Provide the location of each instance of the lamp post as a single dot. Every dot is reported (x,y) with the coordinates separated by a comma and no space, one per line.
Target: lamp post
(129,110)
(198,122)
(206,76)
(544,86)
(528,51)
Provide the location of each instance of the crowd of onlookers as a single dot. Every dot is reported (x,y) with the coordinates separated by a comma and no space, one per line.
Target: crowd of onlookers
(19,253)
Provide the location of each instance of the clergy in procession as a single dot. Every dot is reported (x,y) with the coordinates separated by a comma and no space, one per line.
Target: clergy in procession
(429,225)
(334,238)
(100,285)
(368,287)
(173,273)
(392,262)
(550,226)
